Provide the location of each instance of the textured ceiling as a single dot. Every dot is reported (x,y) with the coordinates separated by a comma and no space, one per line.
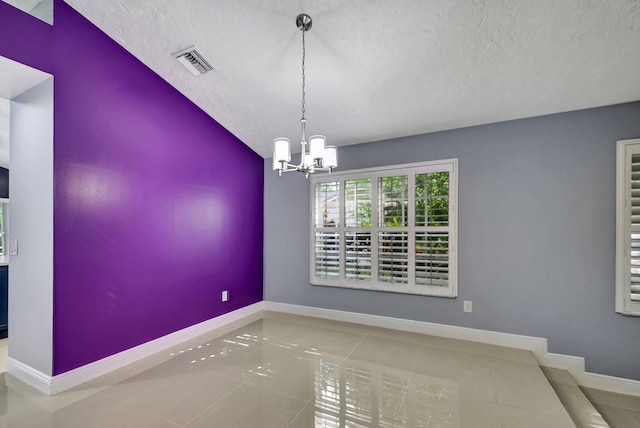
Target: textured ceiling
(383,69)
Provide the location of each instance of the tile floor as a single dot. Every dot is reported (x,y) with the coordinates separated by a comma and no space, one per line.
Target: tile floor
(581,410)
(288,371)
(620,411)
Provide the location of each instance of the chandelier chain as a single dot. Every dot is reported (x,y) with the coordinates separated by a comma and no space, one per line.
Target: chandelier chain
(303,76)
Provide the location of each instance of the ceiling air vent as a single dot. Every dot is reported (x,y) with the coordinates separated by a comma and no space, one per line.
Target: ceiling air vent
(194,61)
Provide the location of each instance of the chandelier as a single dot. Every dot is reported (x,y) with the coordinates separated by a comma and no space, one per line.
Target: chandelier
(319,157)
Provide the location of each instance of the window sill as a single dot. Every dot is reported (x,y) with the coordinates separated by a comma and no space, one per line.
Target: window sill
(427,291)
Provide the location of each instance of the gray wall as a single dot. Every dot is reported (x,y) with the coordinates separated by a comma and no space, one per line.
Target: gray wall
(536,233)
(31,224)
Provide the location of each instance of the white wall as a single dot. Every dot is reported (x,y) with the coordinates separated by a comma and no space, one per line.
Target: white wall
(31,224)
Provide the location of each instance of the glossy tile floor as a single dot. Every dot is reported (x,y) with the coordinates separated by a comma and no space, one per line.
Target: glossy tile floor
(288,371)
(581,410)
(619,410)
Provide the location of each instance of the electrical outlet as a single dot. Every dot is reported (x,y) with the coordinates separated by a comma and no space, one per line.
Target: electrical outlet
(468,306)
(225,296)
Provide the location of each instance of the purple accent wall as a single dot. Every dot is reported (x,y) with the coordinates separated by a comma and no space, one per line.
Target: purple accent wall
(157,207)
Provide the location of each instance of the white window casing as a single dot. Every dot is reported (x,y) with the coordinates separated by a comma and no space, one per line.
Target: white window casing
(392,228)
(628,227)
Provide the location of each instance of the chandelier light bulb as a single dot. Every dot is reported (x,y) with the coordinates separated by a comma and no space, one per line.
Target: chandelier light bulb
(281,152)
(330,157)
(316,144)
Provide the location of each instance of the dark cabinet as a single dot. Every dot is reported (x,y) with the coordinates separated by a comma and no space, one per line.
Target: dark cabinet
(4,301)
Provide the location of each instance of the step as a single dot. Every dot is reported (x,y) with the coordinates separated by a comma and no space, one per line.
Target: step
(620,410)
(579,407)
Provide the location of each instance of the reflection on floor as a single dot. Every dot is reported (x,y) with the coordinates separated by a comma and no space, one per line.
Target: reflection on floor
(290,371)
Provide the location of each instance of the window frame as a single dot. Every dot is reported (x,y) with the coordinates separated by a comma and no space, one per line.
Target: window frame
(374,174)
(623,302)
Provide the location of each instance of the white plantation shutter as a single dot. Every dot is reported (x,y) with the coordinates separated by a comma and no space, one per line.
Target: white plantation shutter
(388,229)
(327,204)
(357,231)
(393,257)
(326,251)
(634,235)
(358,255)
(393,247)
(628,228)
(432,199)
(432,258)
(357,201)
(327,255)
(432,228)
(393,206)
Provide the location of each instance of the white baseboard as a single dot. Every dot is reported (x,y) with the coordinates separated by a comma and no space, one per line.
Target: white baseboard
(29,375)
(220,325)
(495,338)
(55,384)
(609,383)
(575,365)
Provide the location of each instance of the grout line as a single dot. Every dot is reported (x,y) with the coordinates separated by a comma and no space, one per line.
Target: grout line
(340,364)
(364,336)
(161,417)
(299,413)
(215,402)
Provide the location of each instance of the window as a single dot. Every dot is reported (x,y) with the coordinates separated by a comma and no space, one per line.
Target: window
(388,229)
(628,227)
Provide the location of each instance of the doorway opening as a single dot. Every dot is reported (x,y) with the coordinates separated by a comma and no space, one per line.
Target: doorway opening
(18,113)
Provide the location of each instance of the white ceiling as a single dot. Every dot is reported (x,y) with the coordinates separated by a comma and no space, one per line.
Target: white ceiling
(383,69)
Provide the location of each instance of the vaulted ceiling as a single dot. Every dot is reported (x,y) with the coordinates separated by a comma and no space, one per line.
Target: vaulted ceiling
(383,69)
